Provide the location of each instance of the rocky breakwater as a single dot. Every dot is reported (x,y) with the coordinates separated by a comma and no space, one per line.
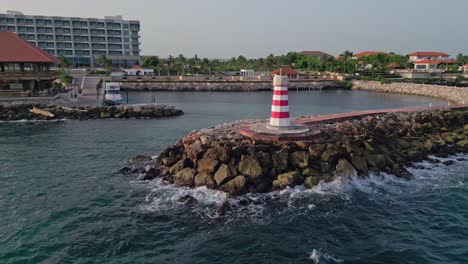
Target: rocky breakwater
(455,95)
(221,158)
(57,112)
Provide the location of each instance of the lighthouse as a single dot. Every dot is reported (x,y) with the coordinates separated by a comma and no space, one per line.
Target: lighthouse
(280,104)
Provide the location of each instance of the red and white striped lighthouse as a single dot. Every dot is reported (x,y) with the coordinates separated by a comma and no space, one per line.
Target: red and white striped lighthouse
(280,104)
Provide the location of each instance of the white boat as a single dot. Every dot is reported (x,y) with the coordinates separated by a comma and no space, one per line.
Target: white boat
(112,94)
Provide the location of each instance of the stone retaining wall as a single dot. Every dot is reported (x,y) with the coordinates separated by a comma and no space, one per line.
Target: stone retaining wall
(452,94)
(222,86)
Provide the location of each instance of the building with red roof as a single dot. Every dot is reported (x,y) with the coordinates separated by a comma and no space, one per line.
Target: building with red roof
(286,71)
(465,68)
(427,55)
(24,68)
(316,54)
(431,64)
(137,70)
(367,53)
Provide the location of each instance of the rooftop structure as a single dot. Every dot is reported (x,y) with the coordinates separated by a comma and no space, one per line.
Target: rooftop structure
(24,68)
(286,71)
(316,54)
(81,40)
(366,53)
(427,55)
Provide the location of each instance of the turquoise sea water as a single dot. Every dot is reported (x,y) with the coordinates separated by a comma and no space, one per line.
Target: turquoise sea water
(63,201)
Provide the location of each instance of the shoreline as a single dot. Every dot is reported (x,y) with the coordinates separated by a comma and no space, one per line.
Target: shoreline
(359,143)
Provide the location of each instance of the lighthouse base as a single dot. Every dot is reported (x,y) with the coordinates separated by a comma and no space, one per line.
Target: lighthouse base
(264,131)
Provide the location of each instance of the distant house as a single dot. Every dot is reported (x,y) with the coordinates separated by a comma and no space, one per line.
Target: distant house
(247,73)
(286,71)
(316,54)
(465,68)
(430,64)
(24,67)
(366,53)
(427,55)
(137,70)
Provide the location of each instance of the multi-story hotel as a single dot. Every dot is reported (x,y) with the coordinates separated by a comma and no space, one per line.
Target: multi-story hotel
(81,40)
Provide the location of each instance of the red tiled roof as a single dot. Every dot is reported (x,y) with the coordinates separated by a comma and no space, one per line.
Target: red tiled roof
(285,71)
(435,62)
(428,54)
(15,49)
(466,65)
(136,67)
(367,53)
(315,53)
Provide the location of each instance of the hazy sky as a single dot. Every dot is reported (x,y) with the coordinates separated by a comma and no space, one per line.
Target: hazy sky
(256,28)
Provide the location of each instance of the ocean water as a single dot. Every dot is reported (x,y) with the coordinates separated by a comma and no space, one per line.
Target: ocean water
(62,199)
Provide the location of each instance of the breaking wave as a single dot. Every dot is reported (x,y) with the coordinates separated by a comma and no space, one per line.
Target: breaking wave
(322,199)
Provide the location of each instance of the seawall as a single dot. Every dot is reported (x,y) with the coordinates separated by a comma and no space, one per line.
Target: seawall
(453,94)
(223,86)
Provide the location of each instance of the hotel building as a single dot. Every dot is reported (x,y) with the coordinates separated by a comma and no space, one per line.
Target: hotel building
(81,40)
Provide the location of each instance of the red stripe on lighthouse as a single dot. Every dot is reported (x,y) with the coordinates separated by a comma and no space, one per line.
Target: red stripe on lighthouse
(279,114)
(280,102)
(276,92)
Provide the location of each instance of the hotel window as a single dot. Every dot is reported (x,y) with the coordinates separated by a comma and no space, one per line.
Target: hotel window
(135,27)
(50,45)
(49,37)
(48,22)
(51,52)
(2,20)
(420,66)
(21,21)
(11,28)
(114,52)
(66,23)
(2,28)
(76,23)
(29,22)
(115,46)
(10,20)
(98,46)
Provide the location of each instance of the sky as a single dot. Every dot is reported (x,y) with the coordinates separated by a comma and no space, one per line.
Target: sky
(257,28)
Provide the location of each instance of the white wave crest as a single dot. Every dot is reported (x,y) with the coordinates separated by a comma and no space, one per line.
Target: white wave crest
(318,257)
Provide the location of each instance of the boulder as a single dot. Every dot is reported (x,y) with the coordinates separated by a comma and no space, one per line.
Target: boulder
(288,179)
(151,174)
(184,177)
(181,164)
(299,159)
(311,181)
(316,150)
(330,154)
(360,164)
(195,150)
(250,167)
(235,186)
(428,145)
(377,160)
(207,165)
(344,169)
(310,172)
(280,160)
(204,179)
(222,174)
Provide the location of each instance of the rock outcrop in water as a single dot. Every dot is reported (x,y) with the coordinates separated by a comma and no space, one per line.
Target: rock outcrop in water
(220,158)
(23,112)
